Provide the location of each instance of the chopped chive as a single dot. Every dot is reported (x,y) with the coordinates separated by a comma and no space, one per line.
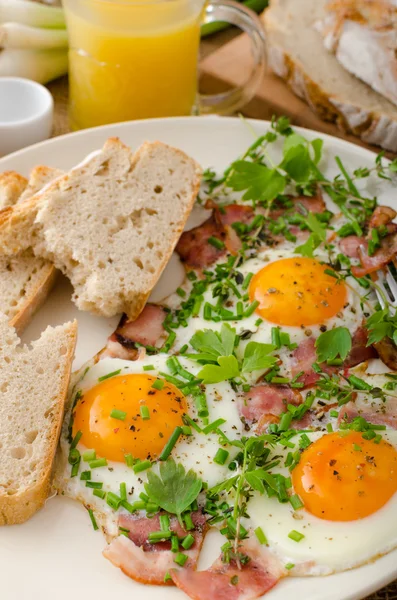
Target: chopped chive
(201,405)
(369,435)
(207,311)
(85,476)
(180,559)
(216,242)
(95,485)
(167,577)
(246,387)
(171,443)
(329,427)
(124,531)
(76,440)
(377,439)
(151,507)
(159,536)
(144,497)
(181,292)
(188,541)
(138,505)
(183,349)
(189,421)
(142,466)
(221,456)
(188,521)
(285,421)
(251,309)
(213,426)
(99,462)
(296,502)
(304,441)
(112,374)
(113,500)
(145,412)
(357,448)
(186,430)
(158,384)
(359,384)
(289,566)
(129,461)
(197,305)
(120,415)
(334,362)
(125,504)
(93,519)
(234,580)
(174,543)
(280,380)
(74,456)
(276,337)
(89,455)
(164,522)
(123,491)
(100,493)
(148,368)
(333,413)
(75,469)
(172,364)
(247,281)
(295,536)
(169,342)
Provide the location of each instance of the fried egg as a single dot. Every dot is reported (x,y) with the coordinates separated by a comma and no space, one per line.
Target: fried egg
(107,418)
(348,487)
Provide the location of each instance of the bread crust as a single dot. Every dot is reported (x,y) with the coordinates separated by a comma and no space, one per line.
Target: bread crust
(12,185)
(372,127)
(19,507)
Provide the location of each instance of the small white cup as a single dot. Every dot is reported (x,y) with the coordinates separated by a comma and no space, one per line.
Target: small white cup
(26,112)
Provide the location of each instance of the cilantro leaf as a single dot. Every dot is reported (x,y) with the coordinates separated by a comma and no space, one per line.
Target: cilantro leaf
(215,344)
(227,368)
(260,182)
(174,490)
(335,343)
(308,248)
(257,356)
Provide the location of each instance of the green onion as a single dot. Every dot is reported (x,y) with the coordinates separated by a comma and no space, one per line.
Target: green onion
(159,536)
(172,364)
(188,521)
(186,430)
(207,311)
(296,502)
(113,500)
(112,374)
(221,456)
(167,577)
(251,309)
(262,539)
(369,435)
(213,426)
(89,455)
(76,440)
(188,541)
(174,543)
(151,507)
(201,405)
(145,412)
(183,349)
(164,522)
(95,485)
(99,462)
(138,505)
(129,461)
(189,421)
(169,342)
(333,413)
(247,281)
(144,497)
(123,491)
(216,242)
(329,427)
(181,292)
(289,566)
(75,469)
(142,466)
(357,448)
(120,415)
(148,368)
(74,456)
(100,493)
(171,443)
(276,337)
(125,504)
(280,380)
(359,384)
(295,536)
(124,531)
(180,559)
(85,476)
(285,421)
(158,384)
(93,520)
(304,441)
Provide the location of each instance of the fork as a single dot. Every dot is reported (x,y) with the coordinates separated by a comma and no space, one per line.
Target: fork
(387,282)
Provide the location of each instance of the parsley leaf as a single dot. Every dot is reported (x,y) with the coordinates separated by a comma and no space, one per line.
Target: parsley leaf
(308,248)
(297,163)
(174,490)
(215,344)
(260,182)
(315,225)
(227,368)
(381,324)
(332,344)
(257,356)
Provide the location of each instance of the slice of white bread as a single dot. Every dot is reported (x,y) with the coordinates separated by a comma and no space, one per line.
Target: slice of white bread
(111,224)
(25,280)
(33,388)
(297,54)
(12,185)
(363,37)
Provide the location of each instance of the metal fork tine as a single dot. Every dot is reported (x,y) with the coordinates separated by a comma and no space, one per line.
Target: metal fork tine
(380,278)
(392,285)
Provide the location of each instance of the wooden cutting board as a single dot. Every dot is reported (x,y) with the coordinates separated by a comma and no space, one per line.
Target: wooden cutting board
(228,67)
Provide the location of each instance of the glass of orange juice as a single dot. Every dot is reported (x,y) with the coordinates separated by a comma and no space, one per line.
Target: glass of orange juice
(136,59)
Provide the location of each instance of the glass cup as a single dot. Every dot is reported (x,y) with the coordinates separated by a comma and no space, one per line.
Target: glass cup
(138,59)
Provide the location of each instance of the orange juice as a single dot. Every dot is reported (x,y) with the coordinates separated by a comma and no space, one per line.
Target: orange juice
(132,60)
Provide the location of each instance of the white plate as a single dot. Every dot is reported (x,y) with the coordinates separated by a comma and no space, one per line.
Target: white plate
(57,554)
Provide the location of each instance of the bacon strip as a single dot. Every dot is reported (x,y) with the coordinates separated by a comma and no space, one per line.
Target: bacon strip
(264,403)
(376,412)
(387,352)
(382,215)
(149,563)
(360,352)
(147,330)
(350,245)
(225,581)
(313,204)
(383,255)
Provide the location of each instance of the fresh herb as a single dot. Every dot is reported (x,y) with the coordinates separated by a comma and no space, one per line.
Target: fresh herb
(333,344)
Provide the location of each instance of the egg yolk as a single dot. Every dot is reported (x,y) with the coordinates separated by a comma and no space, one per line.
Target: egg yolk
(297,291)
(345,478)
(113,437)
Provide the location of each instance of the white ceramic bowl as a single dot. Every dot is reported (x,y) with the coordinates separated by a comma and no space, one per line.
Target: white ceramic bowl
(26,111)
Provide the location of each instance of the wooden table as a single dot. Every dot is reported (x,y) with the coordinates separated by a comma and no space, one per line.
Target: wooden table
(59,89)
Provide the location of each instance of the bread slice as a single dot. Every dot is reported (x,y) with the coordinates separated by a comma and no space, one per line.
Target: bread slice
(297,54)
(111,224)
(25,280)
(364,43)
(33,387)
(12,186)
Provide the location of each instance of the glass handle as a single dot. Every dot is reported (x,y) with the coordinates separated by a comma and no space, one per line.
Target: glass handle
(248,21)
